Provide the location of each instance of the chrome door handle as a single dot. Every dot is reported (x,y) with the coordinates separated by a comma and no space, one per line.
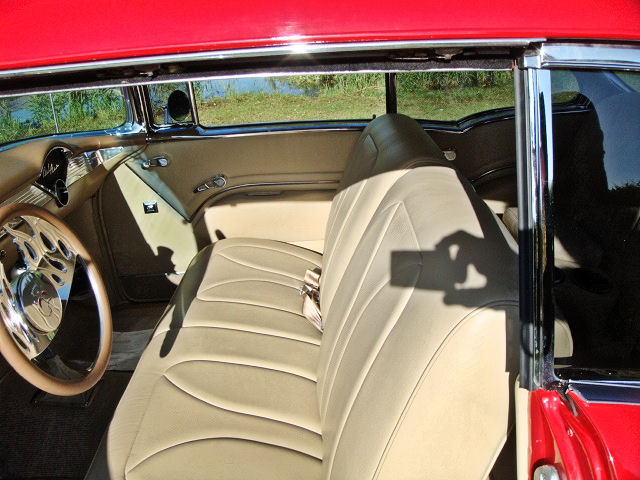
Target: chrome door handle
(217,181)
(155,162)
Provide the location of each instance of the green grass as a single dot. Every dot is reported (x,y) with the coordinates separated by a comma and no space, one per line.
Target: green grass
(77,111)
(454,104)
(451,104)
(255,108)
(11,129)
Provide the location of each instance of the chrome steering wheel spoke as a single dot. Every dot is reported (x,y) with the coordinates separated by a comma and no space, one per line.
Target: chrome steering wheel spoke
(32,305)
(45,250)
(31,341)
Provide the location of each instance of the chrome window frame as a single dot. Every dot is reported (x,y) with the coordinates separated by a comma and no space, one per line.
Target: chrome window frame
(535,164)
(194,129)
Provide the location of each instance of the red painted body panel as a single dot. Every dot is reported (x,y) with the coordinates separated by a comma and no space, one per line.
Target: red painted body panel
(46,32)
(600,442)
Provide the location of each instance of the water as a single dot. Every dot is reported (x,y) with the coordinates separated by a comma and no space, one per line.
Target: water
(267,85)
(19,108)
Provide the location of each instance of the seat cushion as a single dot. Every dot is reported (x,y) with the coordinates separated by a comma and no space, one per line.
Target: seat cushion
(228,380)
(252,284)
(237,403)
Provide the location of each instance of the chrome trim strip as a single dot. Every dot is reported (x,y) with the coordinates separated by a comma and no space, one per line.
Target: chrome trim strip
(614,392)
(31,194)
(590,56)
(225,132)
(119,132)
(296,49)
(275,184)
(492,171)
(535,234)
(150,275)
(273,128)
(192,102)
(260,184)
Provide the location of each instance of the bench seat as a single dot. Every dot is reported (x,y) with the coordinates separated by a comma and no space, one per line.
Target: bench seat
(411,378)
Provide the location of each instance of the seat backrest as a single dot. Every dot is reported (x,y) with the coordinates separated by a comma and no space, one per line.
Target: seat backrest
(390,144)
(420,347)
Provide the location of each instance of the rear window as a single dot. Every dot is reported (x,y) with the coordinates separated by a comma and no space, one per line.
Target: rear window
(64,112)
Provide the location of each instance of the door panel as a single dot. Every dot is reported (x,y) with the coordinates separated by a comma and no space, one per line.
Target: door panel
(279,186)
(149,251)
(247,161)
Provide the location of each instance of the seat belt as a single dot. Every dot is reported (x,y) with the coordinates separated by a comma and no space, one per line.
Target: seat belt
(311,292)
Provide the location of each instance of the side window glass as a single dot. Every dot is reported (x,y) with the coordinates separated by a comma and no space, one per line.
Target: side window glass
(290,98)
(451,96)
(26,116)
(564,86)
(596,215)
(163,97)
(86,110)
(65,112)
(631,79)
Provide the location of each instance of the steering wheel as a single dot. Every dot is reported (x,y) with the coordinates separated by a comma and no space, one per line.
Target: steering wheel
(33,301)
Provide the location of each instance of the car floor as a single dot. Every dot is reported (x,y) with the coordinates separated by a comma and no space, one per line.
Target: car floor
(47,437)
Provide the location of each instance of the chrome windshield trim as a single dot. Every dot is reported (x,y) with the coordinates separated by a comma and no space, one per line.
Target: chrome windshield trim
(295,49)
(590,56)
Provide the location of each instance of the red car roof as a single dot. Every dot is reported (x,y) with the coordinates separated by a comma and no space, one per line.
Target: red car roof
(48,32)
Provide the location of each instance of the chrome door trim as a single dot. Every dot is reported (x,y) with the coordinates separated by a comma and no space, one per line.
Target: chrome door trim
(275,184)
(535,235)
(294,49)
(192,104)
(212,198)
(535,194)
(603,391)
(199,133)
(585,55)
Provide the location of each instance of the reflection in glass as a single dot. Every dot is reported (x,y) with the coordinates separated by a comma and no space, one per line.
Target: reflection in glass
(596,212)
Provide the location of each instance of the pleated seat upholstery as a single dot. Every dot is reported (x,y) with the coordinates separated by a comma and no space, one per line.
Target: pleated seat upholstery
(410,378)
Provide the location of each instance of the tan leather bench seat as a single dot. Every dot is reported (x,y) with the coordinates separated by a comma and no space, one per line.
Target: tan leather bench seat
(411,377)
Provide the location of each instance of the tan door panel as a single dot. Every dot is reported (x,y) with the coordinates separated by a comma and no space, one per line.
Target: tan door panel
(147,249)
(307,160)
(279,186)
(294,217)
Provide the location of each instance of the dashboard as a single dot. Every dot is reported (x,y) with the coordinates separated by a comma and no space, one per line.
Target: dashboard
(60,169)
